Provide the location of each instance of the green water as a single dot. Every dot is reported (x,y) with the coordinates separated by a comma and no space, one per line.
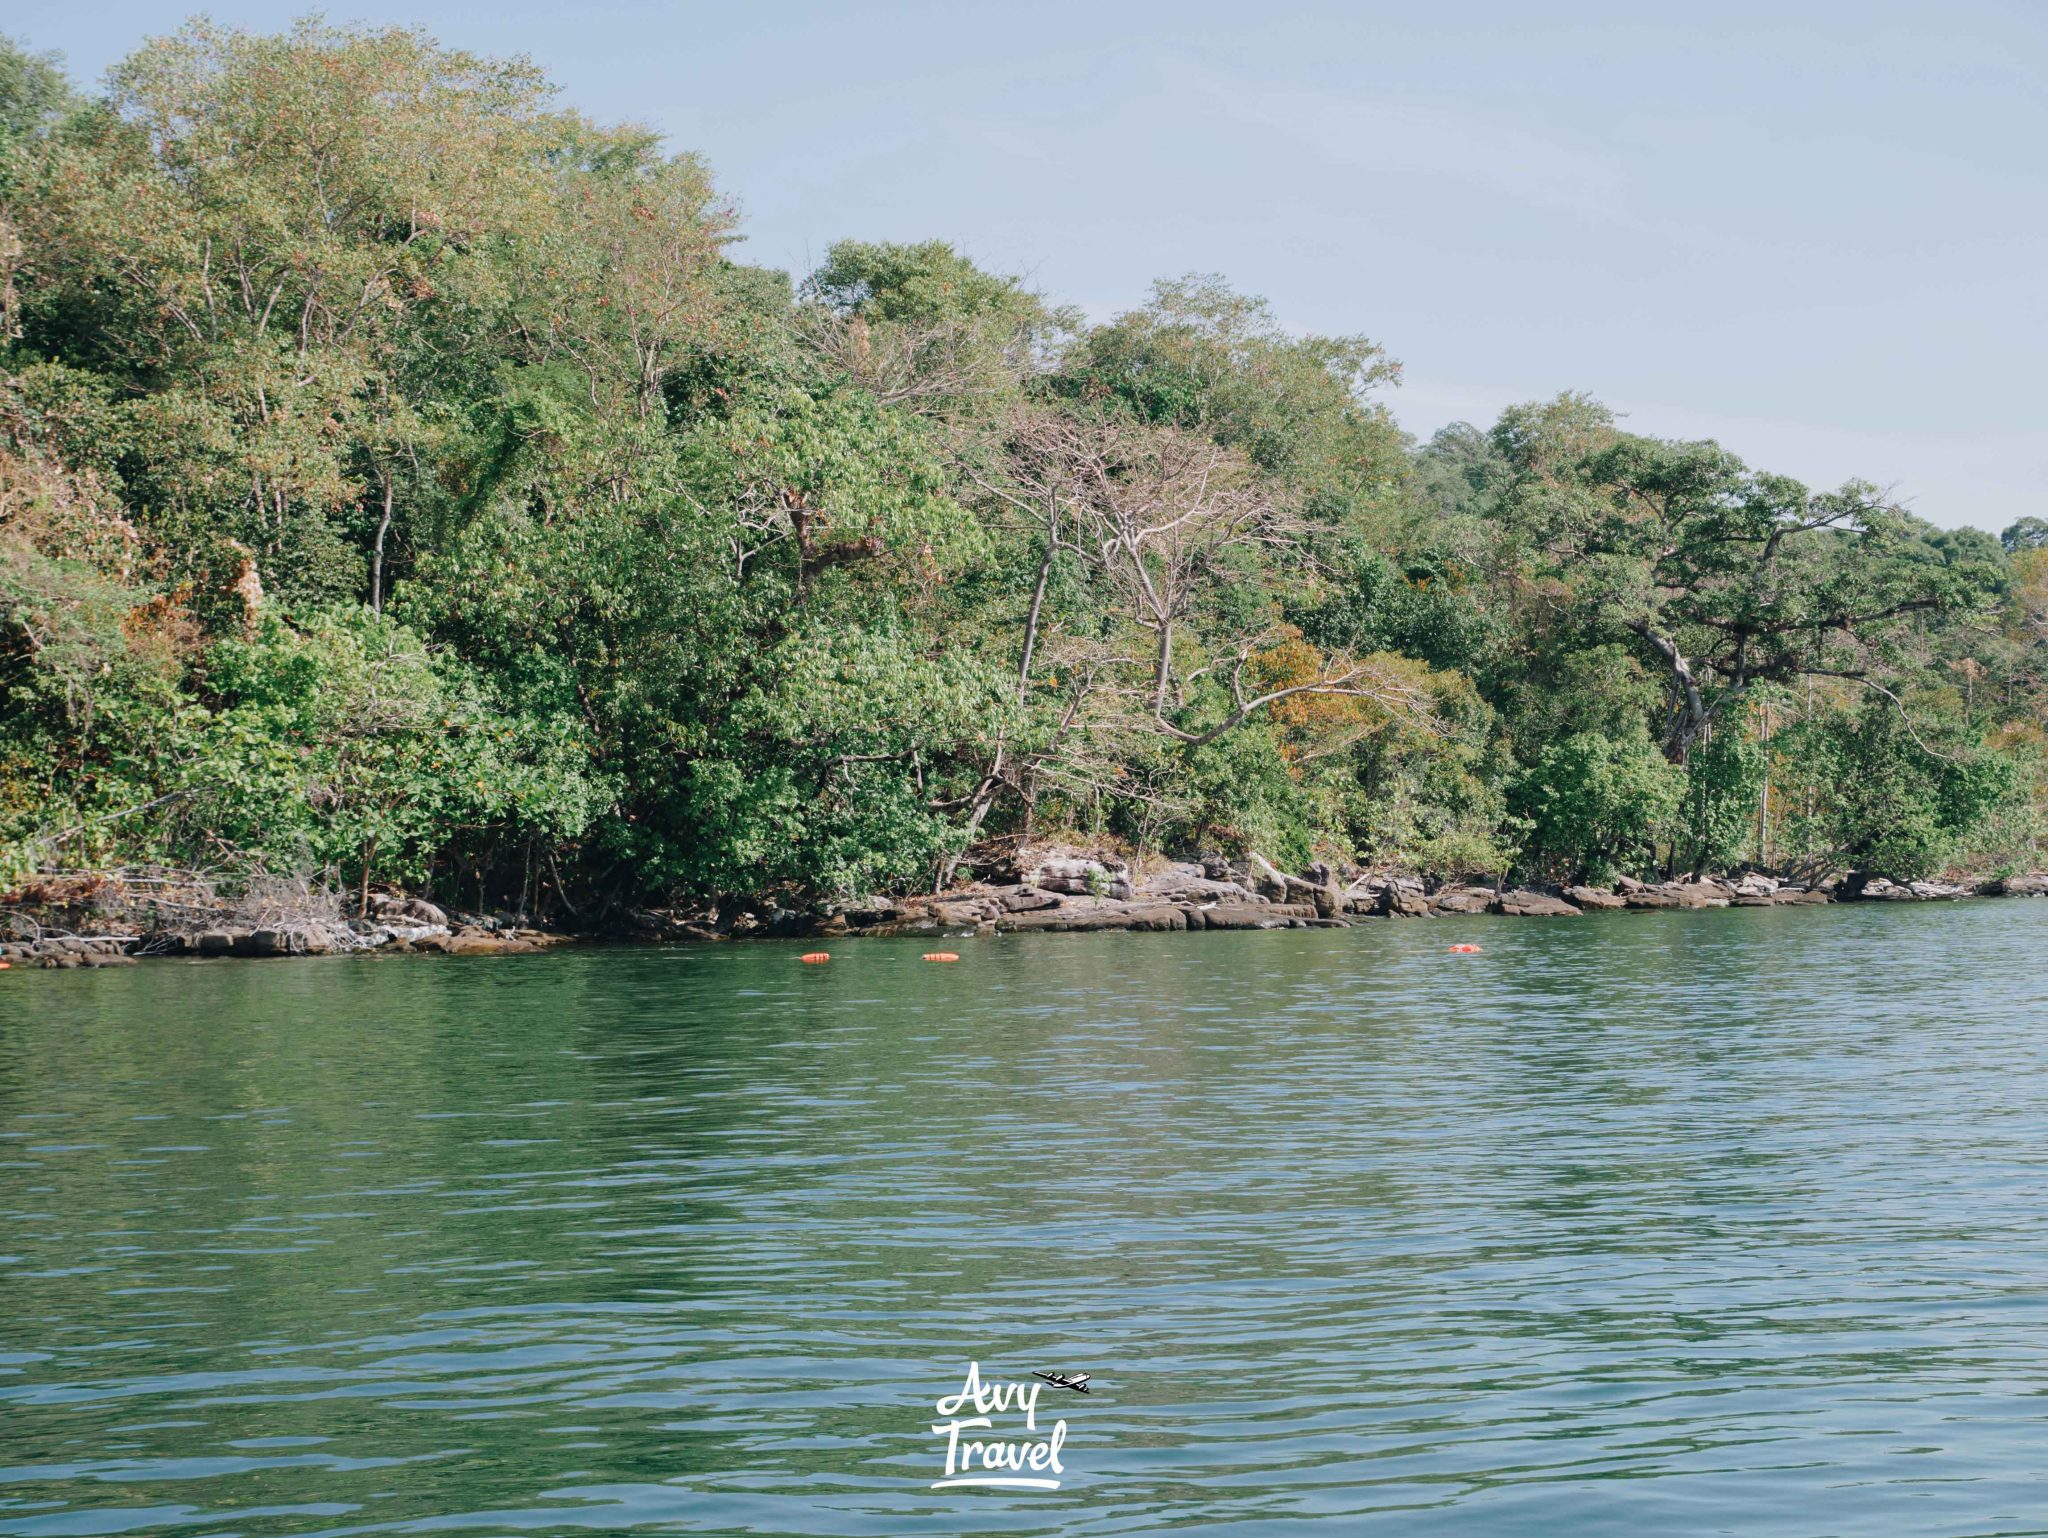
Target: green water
(1675,1223)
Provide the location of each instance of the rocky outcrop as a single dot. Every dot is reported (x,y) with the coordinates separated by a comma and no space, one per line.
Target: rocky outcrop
(1462,899)
(1533,905)
(1878,889)
(1109,877)
(68,951)
(1095,915)
(1594,897)
(394,909)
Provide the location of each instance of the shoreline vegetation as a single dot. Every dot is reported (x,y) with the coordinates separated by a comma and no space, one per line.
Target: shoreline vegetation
(406,487)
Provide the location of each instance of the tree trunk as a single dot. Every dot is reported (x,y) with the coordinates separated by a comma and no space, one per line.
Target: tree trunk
(1031,622)
(1164,670)
(377,552)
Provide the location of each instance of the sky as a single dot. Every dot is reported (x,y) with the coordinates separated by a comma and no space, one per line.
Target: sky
(1817,232)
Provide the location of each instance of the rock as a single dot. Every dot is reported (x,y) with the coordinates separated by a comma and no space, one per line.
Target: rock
(1790,896)
(1266,880)
(1325,893)
(106,959)
(1527,904)
(214,942)
(1401,903)
(2024,886)
(1237,915)
(1177,883)
(1158,916)
(1080,878)
(1641,896)
(1755,884)
(1594,897)
(263,942)
(473,941)
(1076,918)
(1702,894)
(1027,899)
(411,910)
(1462,899)
(1937,891)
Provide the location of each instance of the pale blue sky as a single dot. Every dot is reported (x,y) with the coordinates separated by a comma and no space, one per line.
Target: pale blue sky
(1817,232)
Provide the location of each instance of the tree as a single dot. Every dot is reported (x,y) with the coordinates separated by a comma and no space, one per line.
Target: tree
(1596,806)
(1726,578)
(2025,534)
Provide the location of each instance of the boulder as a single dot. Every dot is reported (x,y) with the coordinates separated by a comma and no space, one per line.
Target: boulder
(1080,918)
(1236,915)
(1158,916)
(1640,896)
(1702,894)
(1027,899)
(1462,899)
(471,941)
(2024,886)
(1523,903)
(410,910)
(1178,883)
(1081,878)
(1794,896)
(1594,897)
(1937,891)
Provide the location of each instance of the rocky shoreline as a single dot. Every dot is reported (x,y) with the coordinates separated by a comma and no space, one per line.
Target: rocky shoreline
(1102,895)
(396,925)
(1067,895)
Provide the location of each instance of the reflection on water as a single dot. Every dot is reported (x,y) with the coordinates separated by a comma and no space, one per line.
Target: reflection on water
(1678,1223)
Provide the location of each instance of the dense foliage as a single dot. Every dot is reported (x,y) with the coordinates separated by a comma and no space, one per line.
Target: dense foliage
(402,482)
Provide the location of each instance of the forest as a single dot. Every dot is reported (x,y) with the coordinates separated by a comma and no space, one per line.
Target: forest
(406,483)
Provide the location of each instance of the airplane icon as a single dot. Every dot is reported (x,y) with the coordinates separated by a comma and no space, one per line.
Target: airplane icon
(1077,1381)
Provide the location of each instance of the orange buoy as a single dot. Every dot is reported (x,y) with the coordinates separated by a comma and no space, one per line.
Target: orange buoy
(815,958)
(1464,950)
(4,965)
(941,956)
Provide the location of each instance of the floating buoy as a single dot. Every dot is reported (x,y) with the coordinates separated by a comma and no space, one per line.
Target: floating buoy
(815,958)
(4,965)
(1464,950)
(941,956)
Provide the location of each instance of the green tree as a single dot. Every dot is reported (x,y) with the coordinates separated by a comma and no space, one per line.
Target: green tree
(1597,806)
